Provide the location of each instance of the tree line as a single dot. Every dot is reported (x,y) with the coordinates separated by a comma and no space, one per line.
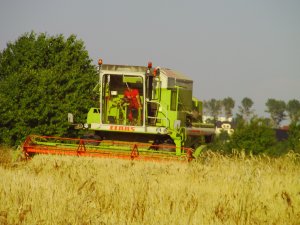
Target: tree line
(278,110)
(253,134)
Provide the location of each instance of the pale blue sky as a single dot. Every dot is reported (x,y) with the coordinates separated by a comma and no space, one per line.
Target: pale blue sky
(233,48)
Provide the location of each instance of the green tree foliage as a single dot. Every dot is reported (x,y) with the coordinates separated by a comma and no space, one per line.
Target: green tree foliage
(255,137)
(276,108)
(42,78)
(245,108)
(228,104)
(220,143)
(293,109)
(213,107)
(294,137)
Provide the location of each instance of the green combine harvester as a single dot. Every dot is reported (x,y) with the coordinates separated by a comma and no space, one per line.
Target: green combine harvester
(144,113)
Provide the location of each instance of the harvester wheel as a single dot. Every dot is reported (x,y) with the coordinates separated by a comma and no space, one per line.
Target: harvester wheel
(208,138)
(167,146)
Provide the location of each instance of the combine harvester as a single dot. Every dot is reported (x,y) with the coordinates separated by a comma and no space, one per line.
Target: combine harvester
(144,113)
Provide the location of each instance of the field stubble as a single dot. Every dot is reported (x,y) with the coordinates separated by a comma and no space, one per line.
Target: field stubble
(212,190)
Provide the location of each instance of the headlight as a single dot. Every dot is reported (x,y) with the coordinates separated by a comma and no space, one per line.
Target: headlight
(162,130)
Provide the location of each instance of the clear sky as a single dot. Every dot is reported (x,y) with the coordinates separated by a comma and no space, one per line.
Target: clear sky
(233,48)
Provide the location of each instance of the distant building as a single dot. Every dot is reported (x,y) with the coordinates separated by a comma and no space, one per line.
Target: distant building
(224,126)
(220,118)
(282,133)
(227,124)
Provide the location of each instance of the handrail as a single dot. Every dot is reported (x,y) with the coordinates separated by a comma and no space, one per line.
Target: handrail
(165,114)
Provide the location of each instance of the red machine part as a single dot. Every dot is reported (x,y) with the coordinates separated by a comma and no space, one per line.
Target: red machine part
(105,149)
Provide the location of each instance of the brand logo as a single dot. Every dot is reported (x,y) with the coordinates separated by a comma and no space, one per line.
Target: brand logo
(122,128)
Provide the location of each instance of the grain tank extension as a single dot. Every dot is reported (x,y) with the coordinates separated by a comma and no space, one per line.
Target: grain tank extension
(144,112)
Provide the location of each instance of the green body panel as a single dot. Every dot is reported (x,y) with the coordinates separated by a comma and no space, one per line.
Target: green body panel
(93,115)
(199,150)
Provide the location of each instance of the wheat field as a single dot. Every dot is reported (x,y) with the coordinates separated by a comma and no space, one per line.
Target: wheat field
(214,189)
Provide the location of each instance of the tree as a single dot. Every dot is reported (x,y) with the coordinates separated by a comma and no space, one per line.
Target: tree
(293,109)
(213,107)
(42,79)
(255,137)
(228,104)
(276,109)
(245,109)
(294,136)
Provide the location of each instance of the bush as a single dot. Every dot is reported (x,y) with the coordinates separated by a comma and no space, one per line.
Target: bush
(294,137)
(220,143)
(253,138)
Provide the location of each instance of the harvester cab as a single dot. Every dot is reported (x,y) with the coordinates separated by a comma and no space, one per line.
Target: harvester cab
(145,112)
